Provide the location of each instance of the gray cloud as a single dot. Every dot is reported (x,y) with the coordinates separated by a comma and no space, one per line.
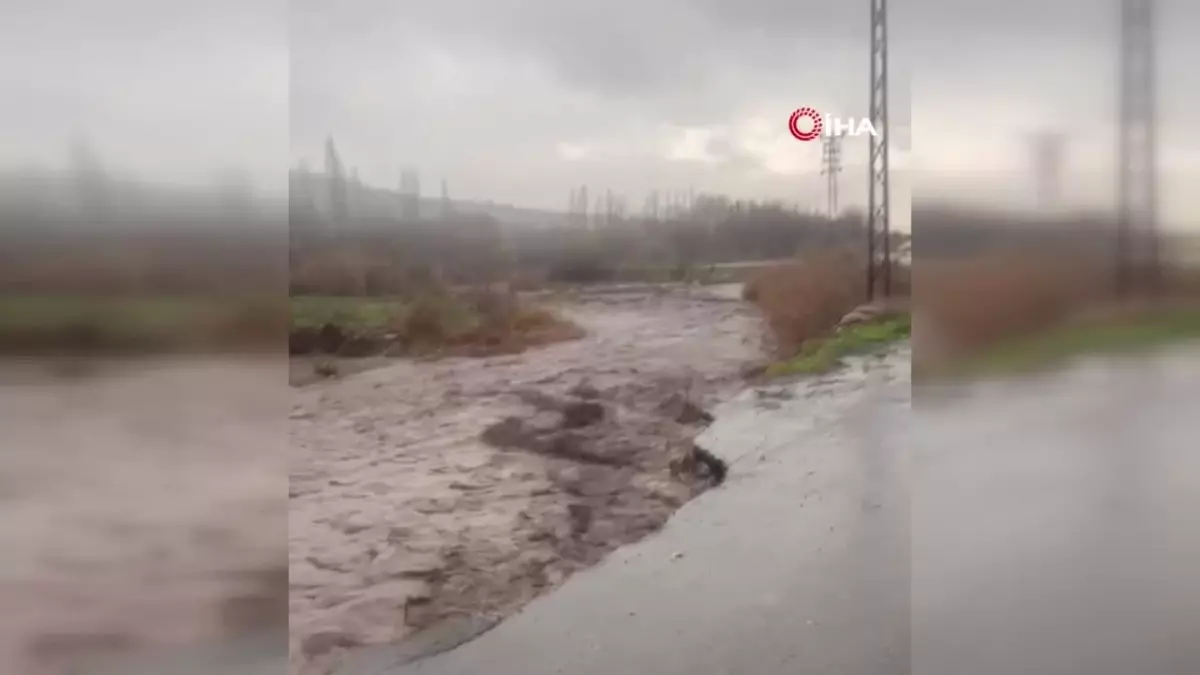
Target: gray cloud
(519,100)
(487,92)
(989,74)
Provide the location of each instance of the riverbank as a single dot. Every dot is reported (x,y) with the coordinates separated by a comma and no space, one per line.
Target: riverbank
(822,355)
(813,306)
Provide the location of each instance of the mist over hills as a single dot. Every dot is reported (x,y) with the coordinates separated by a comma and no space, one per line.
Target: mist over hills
(312,191)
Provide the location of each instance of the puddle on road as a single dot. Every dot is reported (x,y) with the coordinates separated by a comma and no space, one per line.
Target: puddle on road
(765,418)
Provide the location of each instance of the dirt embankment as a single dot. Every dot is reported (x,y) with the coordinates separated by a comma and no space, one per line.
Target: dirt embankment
(424,491)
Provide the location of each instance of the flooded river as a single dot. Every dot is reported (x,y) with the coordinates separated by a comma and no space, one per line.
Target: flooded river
(142,509)
(403,514)
(1042,525)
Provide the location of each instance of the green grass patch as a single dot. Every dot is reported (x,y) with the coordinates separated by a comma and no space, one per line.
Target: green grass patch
(1151,330)
(137,313)
(823,355)
(34,323)
(433,324)
(370,315)
(379,316)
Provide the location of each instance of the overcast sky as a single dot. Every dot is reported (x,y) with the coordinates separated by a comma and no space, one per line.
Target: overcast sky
(988,75)
(521,100)
(168,90)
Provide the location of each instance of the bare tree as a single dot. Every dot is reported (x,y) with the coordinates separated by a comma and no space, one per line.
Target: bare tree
(335,174)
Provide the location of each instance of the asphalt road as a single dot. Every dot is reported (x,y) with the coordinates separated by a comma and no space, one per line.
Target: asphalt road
(1057,524)
(1044,526)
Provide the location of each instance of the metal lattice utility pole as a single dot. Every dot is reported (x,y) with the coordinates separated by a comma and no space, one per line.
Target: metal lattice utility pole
(831,166)
(879,254)
(1137,179)
(447,204)
(410,193)
(1047,169)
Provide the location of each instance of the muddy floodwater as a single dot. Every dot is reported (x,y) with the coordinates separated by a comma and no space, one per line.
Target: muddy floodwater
(417,494)
(141,510)
(796,564)
(1042,524)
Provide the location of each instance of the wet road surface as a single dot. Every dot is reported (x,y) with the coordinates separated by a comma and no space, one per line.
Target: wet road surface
(1055,524)
(797,564)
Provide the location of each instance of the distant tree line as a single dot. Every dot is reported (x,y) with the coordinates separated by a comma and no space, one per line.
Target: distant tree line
(948,232)
(380,254)
(347,237)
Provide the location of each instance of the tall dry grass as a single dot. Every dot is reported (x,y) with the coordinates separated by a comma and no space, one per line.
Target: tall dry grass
(973,303)
(479,321)
(806,298)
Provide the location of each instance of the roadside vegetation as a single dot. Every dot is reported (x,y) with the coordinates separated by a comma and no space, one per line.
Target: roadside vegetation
(58,323)
(822,355)
(997,313)
(1146,331)
(804,302)
(475,323)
